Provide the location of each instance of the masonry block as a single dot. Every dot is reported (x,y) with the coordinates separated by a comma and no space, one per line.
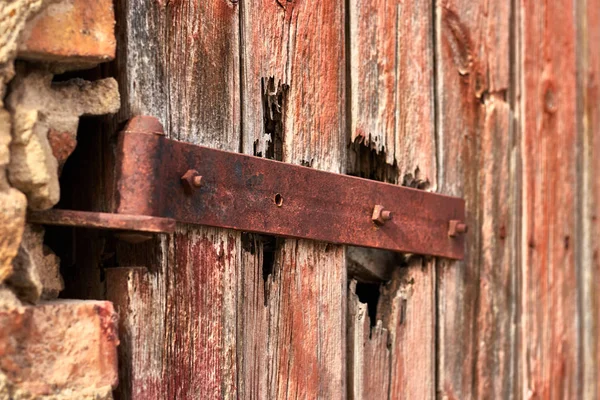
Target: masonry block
(66,346)
(70,31)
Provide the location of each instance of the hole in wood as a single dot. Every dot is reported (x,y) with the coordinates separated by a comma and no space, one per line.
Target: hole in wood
(369,294)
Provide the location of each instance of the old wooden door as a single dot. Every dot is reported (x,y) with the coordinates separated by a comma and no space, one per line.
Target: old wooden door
(493,101)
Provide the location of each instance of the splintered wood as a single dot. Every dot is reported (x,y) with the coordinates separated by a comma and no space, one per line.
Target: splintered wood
(178,61)
(293,63)
(391,75)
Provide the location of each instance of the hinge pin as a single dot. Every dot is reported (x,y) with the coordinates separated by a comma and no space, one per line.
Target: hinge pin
(380,214)
(457,227)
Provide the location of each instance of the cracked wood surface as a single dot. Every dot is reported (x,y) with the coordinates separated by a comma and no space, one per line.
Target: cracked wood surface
(474,99)
(477,298)
(293,89)
(179,61)
(392,111)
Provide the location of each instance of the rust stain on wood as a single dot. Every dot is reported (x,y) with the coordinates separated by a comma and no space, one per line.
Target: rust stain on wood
(179,61)
(299,351)
(88,219)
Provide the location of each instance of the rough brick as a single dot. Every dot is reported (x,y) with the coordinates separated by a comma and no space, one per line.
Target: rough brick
(36,272)
(71,31)
(60,349)
(38,107)
(12,219)
(13,15)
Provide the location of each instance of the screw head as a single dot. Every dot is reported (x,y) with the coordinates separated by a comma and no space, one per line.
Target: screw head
(191,180)
(457,227)
(380,214)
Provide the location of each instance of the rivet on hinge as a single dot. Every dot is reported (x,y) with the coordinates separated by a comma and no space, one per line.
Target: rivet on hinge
(191,180)
(456,228)
(380,214)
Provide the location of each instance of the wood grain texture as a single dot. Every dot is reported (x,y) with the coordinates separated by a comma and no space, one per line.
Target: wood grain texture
(549,320)
(476,298)
(392,111)
(179,61)
(293,89)
(407,306)
(588,17)
(368,353)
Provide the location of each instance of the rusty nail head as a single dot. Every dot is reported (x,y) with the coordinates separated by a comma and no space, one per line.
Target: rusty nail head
(191,180)
(380,214)
(457,227)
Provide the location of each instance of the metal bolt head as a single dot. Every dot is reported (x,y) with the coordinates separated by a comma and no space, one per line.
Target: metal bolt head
(457,227)
(380,214)
(191,180)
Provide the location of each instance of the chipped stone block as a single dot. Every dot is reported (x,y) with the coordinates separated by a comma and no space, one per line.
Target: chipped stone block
(33,169)
(59,349)
(79,32)
(5,139)
(45,113)
(36,273)
(24,280)
(8,300)
(13,205)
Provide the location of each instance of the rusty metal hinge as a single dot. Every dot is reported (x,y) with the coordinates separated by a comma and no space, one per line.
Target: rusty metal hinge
(160,181)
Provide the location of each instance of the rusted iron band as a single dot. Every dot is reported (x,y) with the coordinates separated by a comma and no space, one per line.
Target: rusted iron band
(198,185)
(98,220)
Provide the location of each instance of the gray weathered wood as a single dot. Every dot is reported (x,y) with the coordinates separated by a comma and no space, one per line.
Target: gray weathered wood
(293,88)
(179,61)
(588,241)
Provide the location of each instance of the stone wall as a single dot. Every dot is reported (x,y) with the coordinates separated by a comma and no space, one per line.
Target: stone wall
(50,348)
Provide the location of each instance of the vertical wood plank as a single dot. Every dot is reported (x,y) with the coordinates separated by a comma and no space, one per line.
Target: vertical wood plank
(548,101)
(368,353)
(293,110)
(407,307)
(391,84)
(392,112)
(588,238)
(477,298)
(179,61)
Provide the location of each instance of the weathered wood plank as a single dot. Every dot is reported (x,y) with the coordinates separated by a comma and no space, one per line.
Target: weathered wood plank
(407,308)
(476,299)
(588,241)
(179,61)
(293,110)
(368,353)
(549,286)
(392,112)
(391,82)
